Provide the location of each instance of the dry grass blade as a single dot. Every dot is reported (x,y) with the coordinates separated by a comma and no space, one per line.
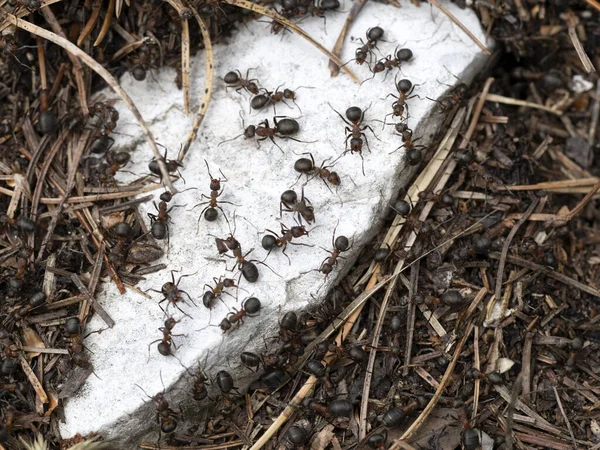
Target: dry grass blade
(357,6)
(105,74)
(185,64)
(460,25)
(583,57)
(516,102)
(91,23)
(292,26)
(208,86)
(106,24)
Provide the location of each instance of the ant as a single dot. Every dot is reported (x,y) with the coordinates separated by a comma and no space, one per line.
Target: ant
(336,408)
(354,132)
(164,346)
(247,267)
(214,292)
(373,36)
(234,79)
(270,241)
(210,211)
(73,332)
(401,56)
(414,155)
(199,391)
(259,101)
(117,254)
(340,245)
(116,161)
(172,166)
(454,98)
(108,116)
(307,167)
(159,224)
(405,88)
(165,416)
(171,293)
(282,129)
(289,200)
(250,307)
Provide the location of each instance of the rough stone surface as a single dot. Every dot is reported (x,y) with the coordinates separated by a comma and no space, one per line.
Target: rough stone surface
(110,402)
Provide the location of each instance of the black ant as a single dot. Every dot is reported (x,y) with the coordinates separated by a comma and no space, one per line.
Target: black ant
(171,293)
(354,131)
(234,79)
(164,346)
(282,129)
(210,211)
(307,167)
(214,292)
(373,36)
(289,200)
(250,307)
(270,241)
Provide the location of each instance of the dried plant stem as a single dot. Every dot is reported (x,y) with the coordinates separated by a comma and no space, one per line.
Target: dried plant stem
(208,85)
(295,28)
(583,57)
(106,24)
(516,102)
(438,393)
(357,6)
(105,74)
(91,23)
(185,64)
(77,68)
(460,25)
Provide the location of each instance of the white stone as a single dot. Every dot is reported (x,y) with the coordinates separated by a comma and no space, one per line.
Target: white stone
(111,403)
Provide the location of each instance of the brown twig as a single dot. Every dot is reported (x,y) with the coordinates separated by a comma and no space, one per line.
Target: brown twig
(357,7)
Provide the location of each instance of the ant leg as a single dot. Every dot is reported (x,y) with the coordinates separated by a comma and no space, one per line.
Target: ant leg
(275,143)
(341,117)
(285,254)
(182,311)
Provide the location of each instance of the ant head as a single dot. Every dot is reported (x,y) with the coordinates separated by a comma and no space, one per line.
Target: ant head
(289,94)
(250,131)
(354,114)
(402,127)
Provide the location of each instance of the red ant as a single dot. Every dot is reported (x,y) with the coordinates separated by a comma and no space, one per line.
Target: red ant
(270,241)
(116,161)
(413,152)
(214,292)
(340,244)
(373,36)
(259,101)
(164,346)
(307,166)
(402,55)
(250,307)
(210,212)
(354,131)
(453,98)
(108,115)
(172,166)
(282,129)
(405,88)
(234,79)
